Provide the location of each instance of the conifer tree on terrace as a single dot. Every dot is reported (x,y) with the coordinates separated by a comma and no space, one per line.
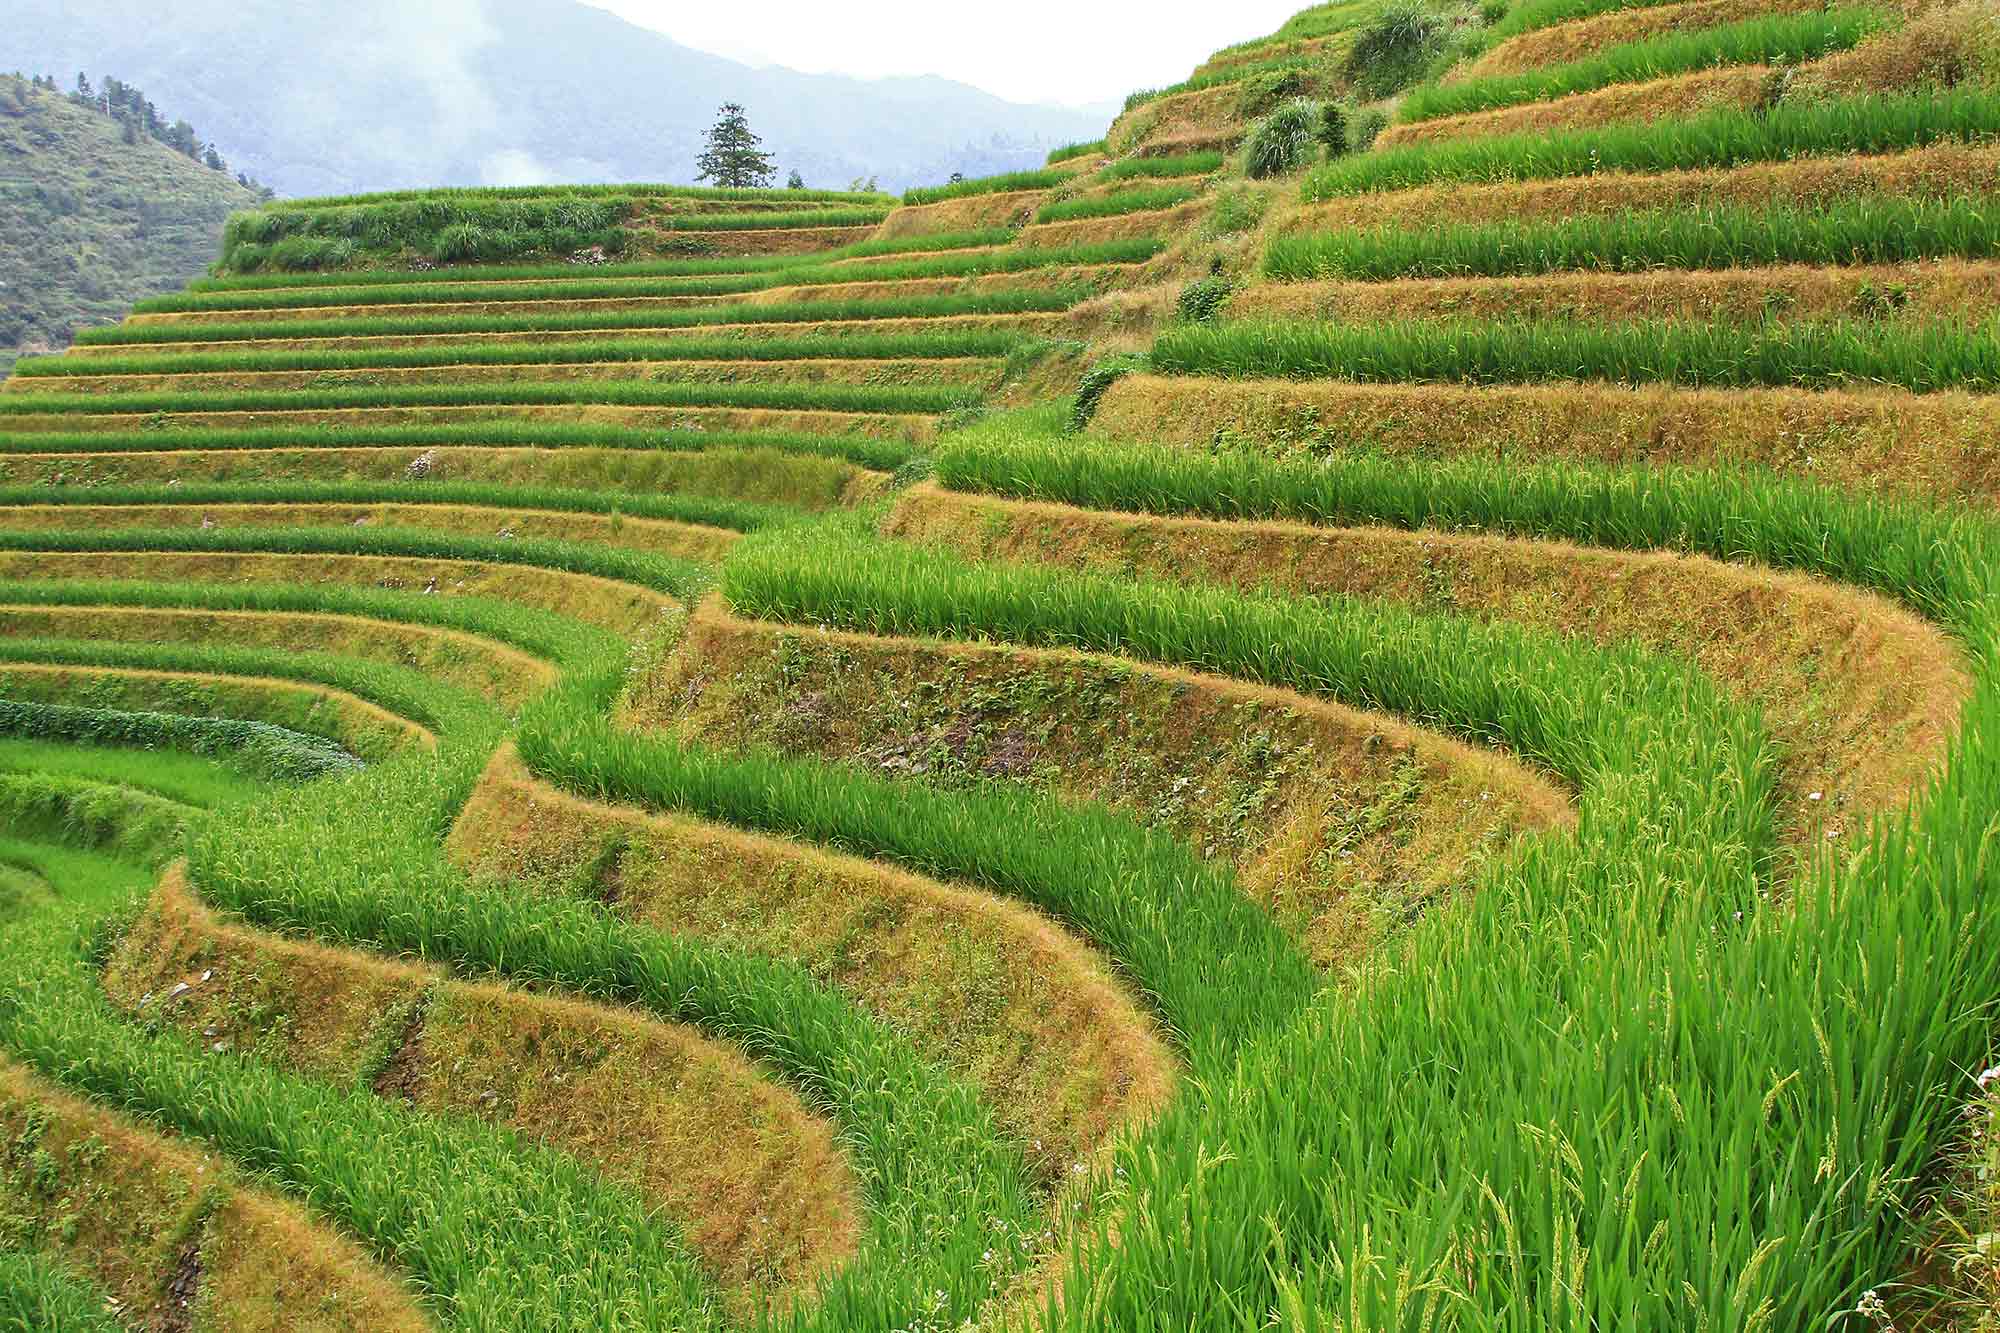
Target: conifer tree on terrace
(733,160)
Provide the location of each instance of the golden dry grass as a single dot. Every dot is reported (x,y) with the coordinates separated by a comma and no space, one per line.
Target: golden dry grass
(762,475)
(1933,446)
(1008,208)
(991,989)
(1086,231)
(1738,86)
(1864,695)
(1565,42)
(1949,290)
(1945,172)
(646,243)
(622,608)
(755,1178)
(127,1206)
(1338,819)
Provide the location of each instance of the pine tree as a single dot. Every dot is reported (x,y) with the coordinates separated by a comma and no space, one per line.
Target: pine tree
(795,181)
(733,160)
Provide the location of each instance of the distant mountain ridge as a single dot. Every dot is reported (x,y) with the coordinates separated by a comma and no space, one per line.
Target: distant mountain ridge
(380,94)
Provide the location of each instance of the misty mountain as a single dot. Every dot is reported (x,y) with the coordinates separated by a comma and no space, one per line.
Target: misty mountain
(391,94)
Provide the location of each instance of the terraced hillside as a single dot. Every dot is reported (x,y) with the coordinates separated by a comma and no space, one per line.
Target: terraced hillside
(1370,704)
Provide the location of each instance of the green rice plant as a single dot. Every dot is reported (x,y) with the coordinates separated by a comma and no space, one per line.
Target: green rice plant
(676,578)
(1865,231)
(1923,358)
(1532,15)
(1024,301)
(1140,168)
(1395,46)
(1139,199)
(1004,184)
(831,217)
(954,345)
(177,775)
(803,272)
(1282,141)
(623,393)
(483,193)
(1875,123)
(1776,39)
(732,515)
(651,268)
(1070,152)
(259,750)
(38,1297)
(119,821)
(882,455)
(1177,924)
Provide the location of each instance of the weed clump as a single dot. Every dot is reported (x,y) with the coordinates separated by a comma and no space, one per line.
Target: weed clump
(1282,140)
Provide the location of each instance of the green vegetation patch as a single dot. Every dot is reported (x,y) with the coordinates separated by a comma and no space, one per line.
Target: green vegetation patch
(1140,199)
(1004,184)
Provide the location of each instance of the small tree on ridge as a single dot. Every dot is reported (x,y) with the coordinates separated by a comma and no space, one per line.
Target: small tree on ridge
(733,159)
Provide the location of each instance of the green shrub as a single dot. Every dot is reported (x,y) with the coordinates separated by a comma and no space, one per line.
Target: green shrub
(1282,141)
(1202,300)
(1334,129)
(1391,53)
(1097,382)
(1238,209)
(1368,127)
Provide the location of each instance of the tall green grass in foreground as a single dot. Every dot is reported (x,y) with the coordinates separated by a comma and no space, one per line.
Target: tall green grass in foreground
(38,1297)
(1505,1132)
(1877,123)
(1923,358)
(1025,301)
(1780,39)
(1866,231)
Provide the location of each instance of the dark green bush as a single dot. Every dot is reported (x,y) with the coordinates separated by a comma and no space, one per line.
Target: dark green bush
(1202,300)
(1097,382)
(1283,140)
(1334,129)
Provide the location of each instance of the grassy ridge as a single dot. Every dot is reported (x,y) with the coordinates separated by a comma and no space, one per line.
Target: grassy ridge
(259,749)
(801,312)
(1003,184)
(949,345)
(1140,168)
(734,515)
(881,455)
(1866,231)
(504,192)
(1879,123)
(937,242)
(1070,152)
(580,288)
(1923,358)
(1139,200)
(1784,39)
(622,393)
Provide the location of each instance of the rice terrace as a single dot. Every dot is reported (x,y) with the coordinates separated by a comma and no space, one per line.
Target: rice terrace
(1370,704)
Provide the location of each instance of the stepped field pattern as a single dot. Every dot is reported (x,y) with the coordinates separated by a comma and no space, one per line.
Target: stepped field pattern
(1373,703)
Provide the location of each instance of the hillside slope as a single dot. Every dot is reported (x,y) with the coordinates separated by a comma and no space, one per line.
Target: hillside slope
(315,100)
(89,224)
(1373,703)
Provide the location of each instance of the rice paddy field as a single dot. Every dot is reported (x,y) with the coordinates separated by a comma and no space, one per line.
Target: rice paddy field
(1373,703)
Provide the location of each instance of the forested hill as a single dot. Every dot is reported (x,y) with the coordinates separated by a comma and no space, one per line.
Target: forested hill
(93,218)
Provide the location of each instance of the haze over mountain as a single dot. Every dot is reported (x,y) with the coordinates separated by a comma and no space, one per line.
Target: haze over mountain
(386,94)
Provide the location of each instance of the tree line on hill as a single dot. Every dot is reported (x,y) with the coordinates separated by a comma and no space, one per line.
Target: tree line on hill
(136,116)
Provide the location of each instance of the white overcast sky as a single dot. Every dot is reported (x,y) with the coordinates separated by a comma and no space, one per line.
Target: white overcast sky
(1074,52)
